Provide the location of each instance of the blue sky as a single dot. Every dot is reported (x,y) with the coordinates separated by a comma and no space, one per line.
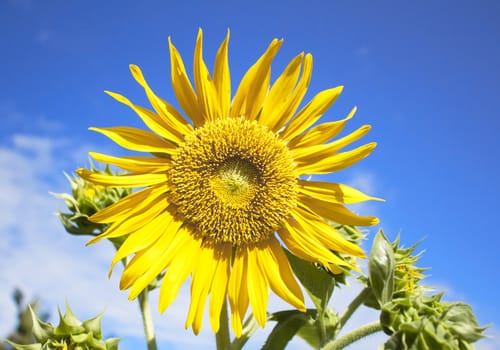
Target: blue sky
(424,74)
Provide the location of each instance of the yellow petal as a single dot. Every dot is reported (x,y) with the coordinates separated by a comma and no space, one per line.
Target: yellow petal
(179,269)
(238,290)
(143,237)
(154,122)
(127,180)
(207,95)
(182,87)
(258,290)
(326,234)
(281,91)
(306,246)
(274,264)
(337,161)
(316,153)
(136,220)
(311,112)
(170,117)
(151,261)
(336,212)
(161,259)
(137,139)
(249,95)
(132,203)
(332,192)
(298,94)
(222,78)
(134,163)
(201,284)
(320,133)
(219,284)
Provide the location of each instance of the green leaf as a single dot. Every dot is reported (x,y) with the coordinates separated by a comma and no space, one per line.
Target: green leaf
(317,282)
(289,323)
(311,331)
(381,268)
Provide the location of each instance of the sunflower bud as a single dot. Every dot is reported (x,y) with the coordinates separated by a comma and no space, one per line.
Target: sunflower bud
(424,322)
(71,333)
(85,200)
(407,276)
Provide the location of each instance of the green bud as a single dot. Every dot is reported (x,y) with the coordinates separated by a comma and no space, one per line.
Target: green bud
(69,334)
(425,322)
(407,275)
(85,200)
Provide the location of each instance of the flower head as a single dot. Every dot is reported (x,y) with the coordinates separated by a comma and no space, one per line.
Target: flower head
(70,333)
(221,194)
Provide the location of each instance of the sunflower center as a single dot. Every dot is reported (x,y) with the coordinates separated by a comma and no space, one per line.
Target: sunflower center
(233,181)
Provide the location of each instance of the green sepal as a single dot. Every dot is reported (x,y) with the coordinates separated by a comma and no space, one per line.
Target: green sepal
(463,322)
(25,347)
(317,282)
(94,325)
(289,323)
(112,343)
(381,269)
(41,330)
(68,324)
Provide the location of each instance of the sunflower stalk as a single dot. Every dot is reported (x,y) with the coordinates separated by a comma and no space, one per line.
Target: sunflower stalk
(222,337)
(353,306)
(147,320)
(323,338)
(353,336)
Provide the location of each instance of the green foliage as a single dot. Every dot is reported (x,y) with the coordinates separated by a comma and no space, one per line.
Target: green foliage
(381,265)
(318,283)
(85,200)
(69,334)
(23,333)
(425,322)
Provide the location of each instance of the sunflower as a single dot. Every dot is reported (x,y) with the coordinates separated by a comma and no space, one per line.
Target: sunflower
(222,194)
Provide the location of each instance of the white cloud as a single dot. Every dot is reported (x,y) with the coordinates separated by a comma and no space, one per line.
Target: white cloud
(42,259)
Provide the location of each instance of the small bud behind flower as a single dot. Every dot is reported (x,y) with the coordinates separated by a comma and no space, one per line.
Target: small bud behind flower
(85,200)
(71,333)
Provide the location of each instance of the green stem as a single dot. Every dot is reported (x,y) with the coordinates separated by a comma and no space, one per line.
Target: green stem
(249,328)
(147,320)
(353,306)
(353,336)
(222,339)
(321,318)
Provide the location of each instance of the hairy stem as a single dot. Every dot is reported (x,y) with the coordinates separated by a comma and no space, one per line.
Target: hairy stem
(147,320)
(353,336)
(353,306)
